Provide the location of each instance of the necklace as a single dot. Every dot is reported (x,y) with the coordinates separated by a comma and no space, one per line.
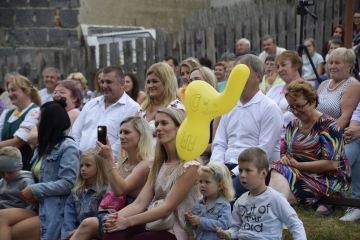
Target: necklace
(129,171)
(336,85)
(308,126)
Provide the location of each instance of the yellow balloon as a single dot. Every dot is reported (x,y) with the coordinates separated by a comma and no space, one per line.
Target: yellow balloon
(203,103)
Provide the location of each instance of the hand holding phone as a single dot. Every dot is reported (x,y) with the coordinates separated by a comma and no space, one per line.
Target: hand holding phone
(102,132)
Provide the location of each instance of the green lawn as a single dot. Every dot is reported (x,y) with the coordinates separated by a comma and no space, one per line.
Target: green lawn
(328,228)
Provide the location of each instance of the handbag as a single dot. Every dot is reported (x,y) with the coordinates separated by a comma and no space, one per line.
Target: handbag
(110,201)
(163,223)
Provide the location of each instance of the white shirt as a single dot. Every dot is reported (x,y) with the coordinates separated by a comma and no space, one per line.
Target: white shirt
(45,96)
(277,94)
(29,122)
(264,54)
(258,123)
(94,114)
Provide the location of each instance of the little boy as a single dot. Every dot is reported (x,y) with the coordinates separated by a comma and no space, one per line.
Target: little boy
(261,212)
(13,179)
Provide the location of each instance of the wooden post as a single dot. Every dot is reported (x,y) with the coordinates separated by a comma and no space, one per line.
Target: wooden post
(128,56)
(140,71)
(103,55)
(114,54)
(349,23)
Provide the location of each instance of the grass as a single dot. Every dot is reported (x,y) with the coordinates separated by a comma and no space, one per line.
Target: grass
(326,228)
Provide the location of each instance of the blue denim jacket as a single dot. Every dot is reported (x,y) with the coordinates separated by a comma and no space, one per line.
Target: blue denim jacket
(85,206)
(58,172)
(217,214)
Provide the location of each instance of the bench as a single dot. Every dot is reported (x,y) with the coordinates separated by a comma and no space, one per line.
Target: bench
(334,201)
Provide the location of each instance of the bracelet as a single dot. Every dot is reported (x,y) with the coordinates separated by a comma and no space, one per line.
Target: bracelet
(111,169)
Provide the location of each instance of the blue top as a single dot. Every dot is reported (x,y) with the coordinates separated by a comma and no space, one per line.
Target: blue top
(221,86)
(217,214)
(85,206)
(356,114)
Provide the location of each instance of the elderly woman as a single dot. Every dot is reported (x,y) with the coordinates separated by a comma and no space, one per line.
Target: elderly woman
(16,123)
(313,162)
(339,96)
(81,81)
(205,74)
(271,77)
(171,179)
(161,91)
(288,65)
(185,68)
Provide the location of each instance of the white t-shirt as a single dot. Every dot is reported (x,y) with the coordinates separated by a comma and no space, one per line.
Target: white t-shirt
(45,96)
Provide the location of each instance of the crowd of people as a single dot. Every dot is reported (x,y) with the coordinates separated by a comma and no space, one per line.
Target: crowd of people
(290,139)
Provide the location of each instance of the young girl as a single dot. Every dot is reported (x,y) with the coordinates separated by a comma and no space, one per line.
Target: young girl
(91,185)
(214,209)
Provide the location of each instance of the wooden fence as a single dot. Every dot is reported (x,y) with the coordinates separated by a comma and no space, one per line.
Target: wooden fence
(206,33)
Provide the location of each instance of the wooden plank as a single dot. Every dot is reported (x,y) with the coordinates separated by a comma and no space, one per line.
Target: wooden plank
(114,54)
(319,25)
(210,44)
(328,19)
(12,63)
(290,29)
(200,43)
(66,59)
(160,49)
(176,46)
(82,67)
(219,41)
(75,61)
(255,26)
(140,70)
(91,71)
(230,38)
(189,43)
(41,63)
(238,30)
(281,29)
(103,56)
(128,56)
(58,62)
(169,45)
(149,52)
(337,13)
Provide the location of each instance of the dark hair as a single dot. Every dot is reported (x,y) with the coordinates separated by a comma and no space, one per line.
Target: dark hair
(73,88)
(270,58)
(342,31)
(54,121)
(356,11)
(269,37)
(135,90)
(119,74)
(206,62)
(175,61)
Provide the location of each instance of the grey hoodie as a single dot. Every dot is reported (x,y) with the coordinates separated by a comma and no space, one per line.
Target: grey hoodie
(10,191)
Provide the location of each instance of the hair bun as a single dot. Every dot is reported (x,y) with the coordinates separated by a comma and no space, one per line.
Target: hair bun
(61,101)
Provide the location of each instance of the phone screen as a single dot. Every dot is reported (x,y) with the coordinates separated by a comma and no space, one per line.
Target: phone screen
(101,132)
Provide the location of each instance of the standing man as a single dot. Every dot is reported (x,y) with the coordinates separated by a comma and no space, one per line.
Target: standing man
(270,48)
(255,121)
(51,76)
(174,64)
(107,110)
(243,47)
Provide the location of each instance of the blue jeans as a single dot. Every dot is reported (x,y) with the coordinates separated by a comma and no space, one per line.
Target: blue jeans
(352,151)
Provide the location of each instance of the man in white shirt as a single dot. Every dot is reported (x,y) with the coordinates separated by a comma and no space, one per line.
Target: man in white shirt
(107,110)
(255,121)
(51,76)
(270,48)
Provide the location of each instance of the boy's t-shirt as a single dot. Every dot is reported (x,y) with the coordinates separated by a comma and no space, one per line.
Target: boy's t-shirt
(10,191)
(263,216)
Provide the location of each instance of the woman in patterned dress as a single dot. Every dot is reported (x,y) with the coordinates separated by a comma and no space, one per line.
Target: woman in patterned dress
(313,162)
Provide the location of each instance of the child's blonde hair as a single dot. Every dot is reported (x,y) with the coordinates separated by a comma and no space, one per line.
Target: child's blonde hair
(10,151)
(221,173)
(101,177)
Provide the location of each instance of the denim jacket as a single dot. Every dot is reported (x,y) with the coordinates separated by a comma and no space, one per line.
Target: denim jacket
(85,206)
(58,172)
(217,214)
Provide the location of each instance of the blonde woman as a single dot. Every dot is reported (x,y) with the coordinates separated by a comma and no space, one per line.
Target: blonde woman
(186,67)
(130,174)
(161,91)
(81,81)
(16,123)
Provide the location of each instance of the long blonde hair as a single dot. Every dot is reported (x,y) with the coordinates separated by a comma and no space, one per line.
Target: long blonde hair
(222,175)
(101,177)
(160,152)
(26,86)
(145,149)
(165,73)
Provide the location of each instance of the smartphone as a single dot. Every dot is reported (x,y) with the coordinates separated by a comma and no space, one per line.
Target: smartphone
(102,132)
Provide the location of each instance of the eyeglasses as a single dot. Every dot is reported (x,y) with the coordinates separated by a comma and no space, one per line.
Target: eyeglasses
(297,108)
(357,18)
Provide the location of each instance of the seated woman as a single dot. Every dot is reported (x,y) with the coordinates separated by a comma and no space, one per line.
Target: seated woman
(161,91)
(131,171)
(271,77)
(339,96)
(185,68)
(288,64)
(98,75)
(338,32)
(308,73)
(81,82)
(16,123)
(205,74)
(171,179)
(132,88)
(55,166)
(313,162)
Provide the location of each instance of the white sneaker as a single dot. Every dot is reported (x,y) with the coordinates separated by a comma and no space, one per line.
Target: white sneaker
(351,215)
